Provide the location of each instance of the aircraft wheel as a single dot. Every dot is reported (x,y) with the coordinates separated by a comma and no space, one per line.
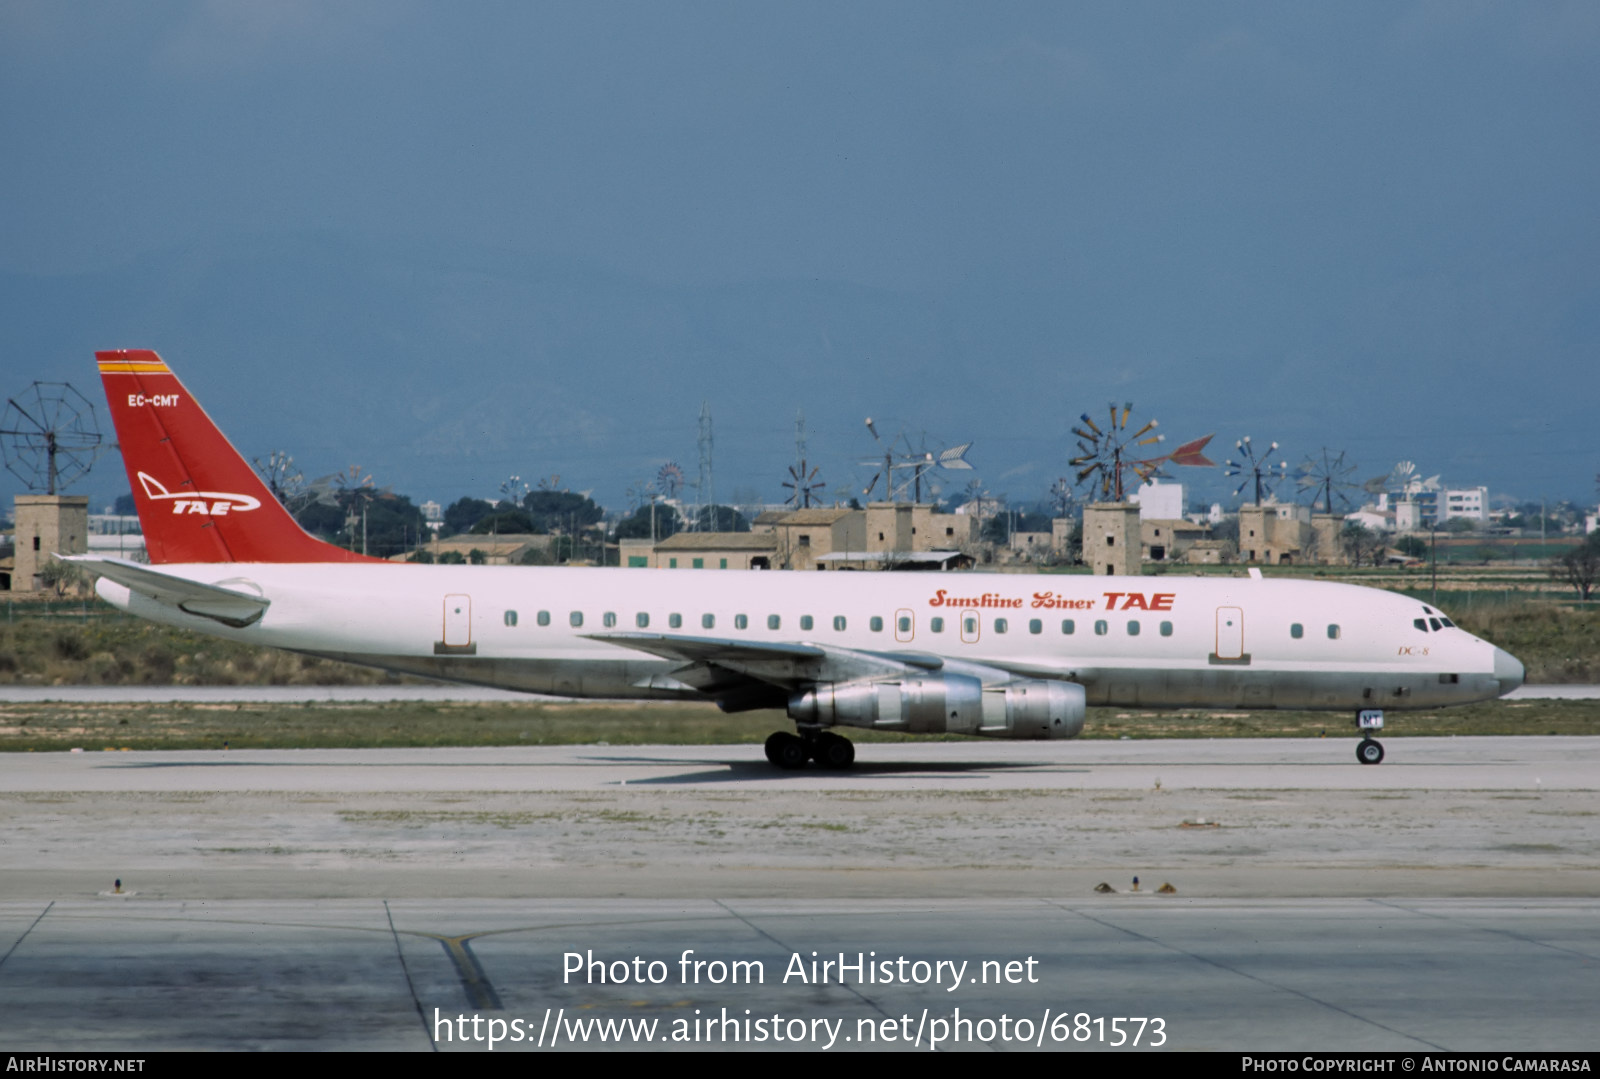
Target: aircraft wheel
(786,750)
(834,751)
(1369,751)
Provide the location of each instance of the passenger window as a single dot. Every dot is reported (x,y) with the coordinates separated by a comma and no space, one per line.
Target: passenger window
(708,621)
(543,618)
(1068,627)
(904,624)
(1035,626)
(774,622)
(1133,627)
(1100,628)
(675,621)
(838,622)
(609,618)
(875,624)
(1333,632)
(575,619)
(741,622)
(969,626)
(806,622)
(999,625)
(511,618)
(641,620)
(1297,631)
(936,625)
(1166,629)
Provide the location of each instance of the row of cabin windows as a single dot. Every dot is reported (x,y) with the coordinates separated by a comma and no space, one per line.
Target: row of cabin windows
(1297,631)
(875,623)
(903,624)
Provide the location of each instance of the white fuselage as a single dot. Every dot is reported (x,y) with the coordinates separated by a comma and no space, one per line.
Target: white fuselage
(1162,641)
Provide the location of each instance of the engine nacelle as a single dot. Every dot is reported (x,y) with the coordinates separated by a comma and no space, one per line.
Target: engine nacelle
(947,704)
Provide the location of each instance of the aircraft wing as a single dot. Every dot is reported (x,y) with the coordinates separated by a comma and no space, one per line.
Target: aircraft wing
(744,674)
(786,665)
(230,606)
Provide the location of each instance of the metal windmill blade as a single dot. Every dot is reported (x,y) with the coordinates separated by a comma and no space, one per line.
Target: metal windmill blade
(50,436)
(804,485)
(1263,472)
(286,482)
(669,480)
(1106,455)
(912,464)
(1062,497)
(1327,477)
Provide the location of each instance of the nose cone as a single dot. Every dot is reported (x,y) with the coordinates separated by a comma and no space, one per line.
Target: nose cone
(1508,671)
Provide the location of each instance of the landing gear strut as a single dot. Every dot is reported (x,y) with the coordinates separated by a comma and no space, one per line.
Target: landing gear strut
(826,748)
(1369,750)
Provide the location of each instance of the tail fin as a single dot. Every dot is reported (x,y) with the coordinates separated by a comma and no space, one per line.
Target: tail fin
(198,499)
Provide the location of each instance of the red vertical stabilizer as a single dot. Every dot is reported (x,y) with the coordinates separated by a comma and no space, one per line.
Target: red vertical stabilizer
(198,499)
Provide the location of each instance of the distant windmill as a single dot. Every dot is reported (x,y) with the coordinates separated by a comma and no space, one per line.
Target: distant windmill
(1106,455)
(1264,472)
(669,481)
(1327,477)
(50,436)
(1062,498)
(352,490)
(898,456)
(513,491)
(286,482)
(802,484)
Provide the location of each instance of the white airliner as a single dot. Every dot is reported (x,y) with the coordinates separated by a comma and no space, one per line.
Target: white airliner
(996,656)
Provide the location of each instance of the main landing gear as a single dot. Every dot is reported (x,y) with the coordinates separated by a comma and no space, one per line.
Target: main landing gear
(826,748)
(1369,750)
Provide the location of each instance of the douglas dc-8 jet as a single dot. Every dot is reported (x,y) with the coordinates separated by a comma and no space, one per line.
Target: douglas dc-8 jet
(998,656)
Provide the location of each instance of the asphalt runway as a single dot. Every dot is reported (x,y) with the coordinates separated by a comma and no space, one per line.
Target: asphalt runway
(1444,900)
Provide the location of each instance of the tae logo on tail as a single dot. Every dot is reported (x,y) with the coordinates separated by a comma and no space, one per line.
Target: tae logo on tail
(210,503)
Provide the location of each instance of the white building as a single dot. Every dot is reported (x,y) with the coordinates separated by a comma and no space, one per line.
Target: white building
(1160,500)
(1469,502)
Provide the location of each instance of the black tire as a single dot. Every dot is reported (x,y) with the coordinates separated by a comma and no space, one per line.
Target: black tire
(834,751)
(786,750)
(1369,751)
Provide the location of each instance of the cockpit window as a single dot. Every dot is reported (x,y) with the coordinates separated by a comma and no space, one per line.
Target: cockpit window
(1420,623)
(1434,622)
(1447,622)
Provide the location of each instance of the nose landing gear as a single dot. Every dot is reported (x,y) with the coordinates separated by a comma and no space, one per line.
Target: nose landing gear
(1369,750)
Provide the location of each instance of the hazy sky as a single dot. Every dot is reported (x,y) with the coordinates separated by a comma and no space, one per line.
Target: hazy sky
(1372,226)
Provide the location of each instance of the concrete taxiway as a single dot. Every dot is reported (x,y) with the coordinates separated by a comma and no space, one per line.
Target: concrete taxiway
(334,899)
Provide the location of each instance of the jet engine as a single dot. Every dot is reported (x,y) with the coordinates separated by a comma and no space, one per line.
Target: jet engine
(946,704)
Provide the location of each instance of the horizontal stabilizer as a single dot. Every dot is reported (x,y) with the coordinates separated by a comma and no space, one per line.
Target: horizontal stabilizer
(235,606)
